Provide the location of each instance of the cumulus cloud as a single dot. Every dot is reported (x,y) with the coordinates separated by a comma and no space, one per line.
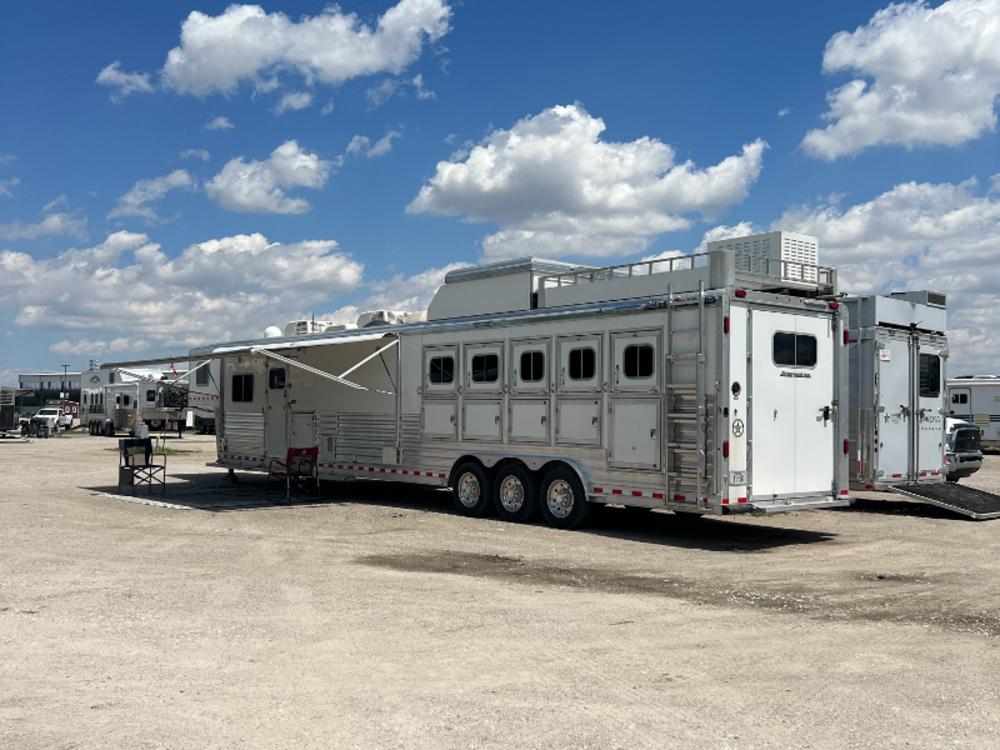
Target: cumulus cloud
(926,76)
(124,83)
(293,101)
(939,236)
(387,88)
(556,188)
(7,184)
(84,347)
(196,153)
(136,202)
(363,145)
(218,289)
(219,123)
(55,222)
(245,44)
(259,186)
(402,292)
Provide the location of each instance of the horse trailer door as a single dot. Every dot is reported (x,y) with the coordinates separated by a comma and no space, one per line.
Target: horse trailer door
(275,413)
(894,407)
(792,428)
(929,418)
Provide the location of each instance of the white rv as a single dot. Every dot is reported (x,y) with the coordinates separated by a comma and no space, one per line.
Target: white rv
(898,351)
(118,400)
(203,396)
(694,384)
(976,399)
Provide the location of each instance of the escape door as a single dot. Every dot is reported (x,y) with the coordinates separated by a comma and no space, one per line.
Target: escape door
(276,412)
(894,411)
(792,424)
(929,417)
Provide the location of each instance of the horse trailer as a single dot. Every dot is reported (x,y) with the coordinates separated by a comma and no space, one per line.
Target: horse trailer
(119,400)
(699,384)
(976,399)
(898,350)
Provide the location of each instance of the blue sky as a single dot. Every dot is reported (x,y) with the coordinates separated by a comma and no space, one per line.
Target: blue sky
(128,227)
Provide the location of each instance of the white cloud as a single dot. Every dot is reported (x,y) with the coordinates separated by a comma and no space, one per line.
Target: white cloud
(293,101)
(98,348)
(245,44)
(125,83)
(927,76)
(409,293)
(219,123)
(363,145)
(54,223)
(127,287)
(358,145)
(784,111)
(384,90)
(144,192)
(259,186)
(7,184)
(556,188)
(6,159)
(939,236)
(196,153)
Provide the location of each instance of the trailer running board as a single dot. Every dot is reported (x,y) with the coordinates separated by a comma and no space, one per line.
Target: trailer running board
(966,501)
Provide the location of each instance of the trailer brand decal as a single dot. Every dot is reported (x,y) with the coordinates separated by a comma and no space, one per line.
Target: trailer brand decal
(738,428)
(789,374)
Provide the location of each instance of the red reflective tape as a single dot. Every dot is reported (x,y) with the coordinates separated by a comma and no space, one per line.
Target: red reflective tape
(725,501)
(406,471)
(428,473)
(741,499)
(657,495)
(371,469)
(896,476)
(599,490)
(616,492)
(392,471)
(381,470)
(441,475)
(923,473)
(843,492)
(935,473)
(636,493)
(679,497)
(869,486)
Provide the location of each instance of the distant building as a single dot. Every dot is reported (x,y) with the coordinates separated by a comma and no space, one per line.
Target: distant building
(47,386)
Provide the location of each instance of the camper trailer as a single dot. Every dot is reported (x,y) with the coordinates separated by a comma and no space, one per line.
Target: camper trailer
(118,400)
(708,383)
(203,396)
(976,399)
(898,352)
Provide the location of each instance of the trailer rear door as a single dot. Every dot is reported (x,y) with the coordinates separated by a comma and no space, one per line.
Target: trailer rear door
(930,405)
(894,408)
(792,428)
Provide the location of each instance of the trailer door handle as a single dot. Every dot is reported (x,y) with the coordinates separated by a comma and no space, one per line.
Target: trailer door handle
(826,414)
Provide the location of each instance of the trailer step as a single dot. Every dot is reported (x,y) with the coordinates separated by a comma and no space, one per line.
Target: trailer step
(966,501)
(683,416)
(681,387)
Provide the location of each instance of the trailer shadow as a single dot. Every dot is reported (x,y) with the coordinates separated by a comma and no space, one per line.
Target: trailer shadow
(213,492)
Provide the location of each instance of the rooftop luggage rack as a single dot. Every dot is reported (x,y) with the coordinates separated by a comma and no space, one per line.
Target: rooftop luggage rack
(716,268)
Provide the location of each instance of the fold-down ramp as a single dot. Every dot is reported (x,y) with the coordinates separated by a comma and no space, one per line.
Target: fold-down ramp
(967,501)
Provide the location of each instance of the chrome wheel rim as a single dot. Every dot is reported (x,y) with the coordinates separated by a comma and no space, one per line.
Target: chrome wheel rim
(512,494)
(560,498)
(469,490)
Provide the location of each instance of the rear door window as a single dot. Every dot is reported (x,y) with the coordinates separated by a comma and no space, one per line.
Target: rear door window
(930,376)
(794,350)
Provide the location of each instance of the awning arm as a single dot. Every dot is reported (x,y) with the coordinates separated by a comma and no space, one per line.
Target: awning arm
(188,373)
(316,371)
(369,358)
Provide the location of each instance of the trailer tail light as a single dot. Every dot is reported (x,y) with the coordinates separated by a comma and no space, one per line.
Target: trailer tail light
(847,446)
(725,449)
(834,305)
(843,492)
(847,337)
(725,325)
(741,293)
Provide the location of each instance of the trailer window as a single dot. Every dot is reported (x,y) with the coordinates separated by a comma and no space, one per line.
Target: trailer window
(532,366)
(442,370)
(151,395)
(930,376)
(126,400)
(276,378)
(582,363)
(243,387)
(638,361)
(111,376)
(485,368)
(960,398)
(201,375)
(794,350)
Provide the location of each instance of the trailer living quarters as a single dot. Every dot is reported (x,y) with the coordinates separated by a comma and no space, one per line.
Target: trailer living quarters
(898,356)
(690,383)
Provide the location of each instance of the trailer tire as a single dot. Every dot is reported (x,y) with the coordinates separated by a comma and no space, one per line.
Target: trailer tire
(472,490)
(109,429)
(515,494)
(563,501)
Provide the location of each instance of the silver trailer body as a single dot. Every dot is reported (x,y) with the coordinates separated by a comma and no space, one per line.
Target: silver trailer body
(898,352)
(693,384)
(977,400)
(203,395)
(114,400)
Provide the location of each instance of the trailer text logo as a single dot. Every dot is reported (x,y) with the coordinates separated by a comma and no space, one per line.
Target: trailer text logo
(789,374)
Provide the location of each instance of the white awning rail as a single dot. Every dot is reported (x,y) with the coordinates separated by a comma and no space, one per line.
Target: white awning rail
(323,373)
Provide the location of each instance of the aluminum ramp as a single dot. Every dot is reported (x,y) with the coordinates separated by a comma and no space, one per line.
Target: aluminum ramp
(966,501)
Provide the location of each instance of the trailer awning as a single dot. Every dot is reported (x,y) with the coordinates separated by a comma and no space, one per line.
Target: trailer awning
(248,347)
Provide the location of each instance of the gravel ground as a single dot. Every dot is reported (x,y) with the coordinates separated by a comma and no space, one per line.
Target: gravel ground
(380,619)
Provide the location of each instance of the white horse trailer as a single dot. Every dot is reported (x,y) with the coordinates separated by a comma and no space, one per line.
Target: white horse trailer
(898,352)
(976,399)
(116,400)
(203,395)
(685,383)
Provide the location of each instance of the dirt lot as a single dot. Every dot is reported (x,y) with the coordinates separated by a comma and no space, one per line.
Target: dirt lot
(380,619)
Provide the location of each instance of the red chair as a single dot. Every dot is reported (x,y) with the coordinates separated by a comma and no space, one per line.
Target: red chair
(300,468)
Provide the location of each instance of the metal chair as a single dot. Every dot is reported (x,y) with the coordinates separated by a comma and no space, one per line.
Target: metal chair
(136,467)
(300,468)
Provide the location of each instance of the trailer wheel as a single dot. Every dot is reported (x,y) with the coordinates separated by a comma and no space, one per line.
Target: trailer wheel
(472,490)
(109,429)
(564,503)
(515,494)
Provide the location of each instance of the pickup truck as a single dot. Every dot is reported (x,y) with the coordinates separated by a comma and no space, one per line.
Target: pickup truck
(963,456)
(54,417)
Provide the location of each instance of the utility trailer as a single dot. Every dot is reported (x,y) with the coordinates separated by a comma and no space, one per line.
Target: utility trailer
(693,384)
(898,350)
(976,399)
